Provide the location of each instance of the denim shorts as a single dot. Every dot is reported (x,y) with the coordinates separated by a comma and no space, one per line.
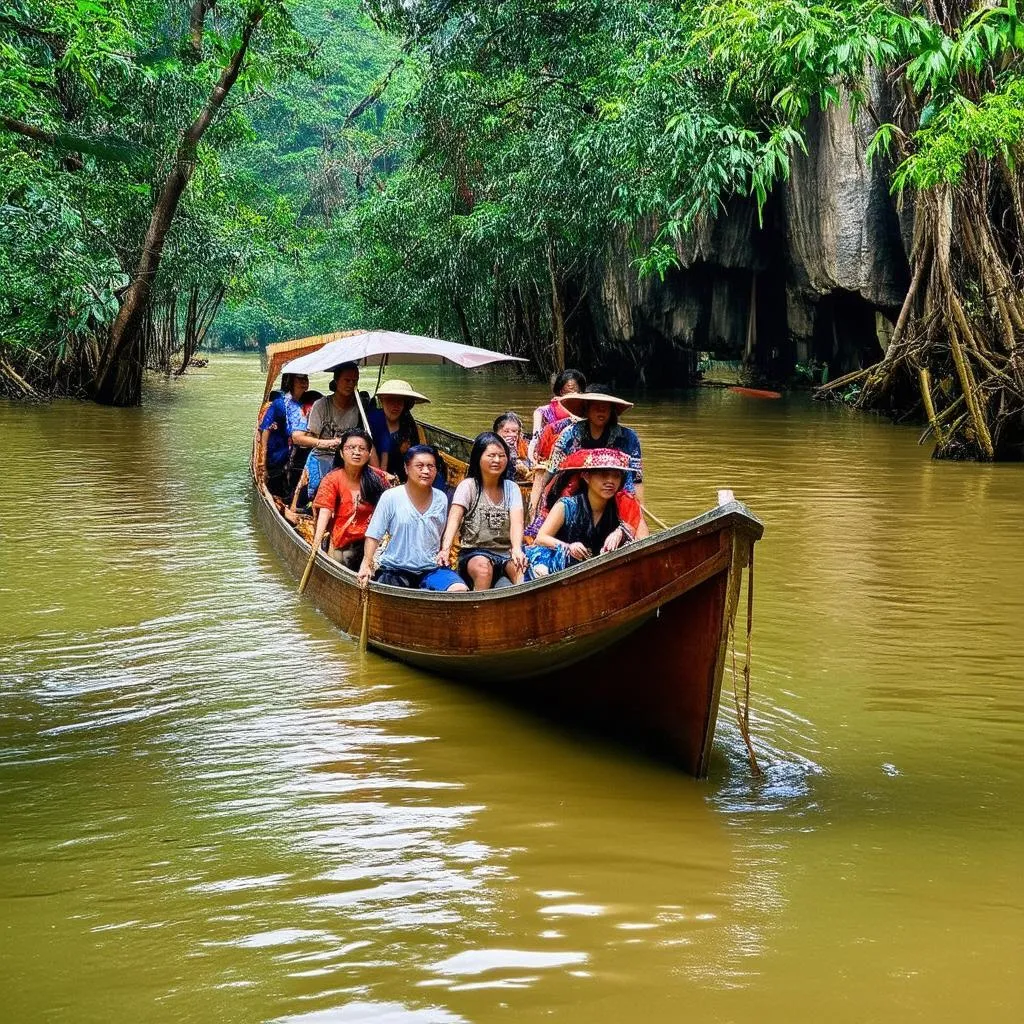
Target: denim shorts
(497,559)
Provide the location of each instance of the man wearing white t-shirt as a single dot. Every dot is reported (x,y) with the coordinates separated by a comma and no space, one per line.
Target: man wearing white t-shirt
(414,515)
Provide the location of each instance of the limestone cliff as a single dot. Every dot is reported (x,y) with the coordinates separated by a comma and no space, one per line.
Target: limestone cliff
(824,276)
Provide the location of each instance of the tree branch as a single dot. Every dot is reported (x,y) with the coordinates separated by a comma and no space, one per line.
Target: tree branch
(374,94)
(113,149)
(227,79)
(196,21)
(125,332)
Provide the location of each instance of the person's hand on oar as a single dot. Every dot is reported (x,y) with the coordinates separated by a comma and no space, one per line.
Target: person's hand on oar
(365,575)
(366,569)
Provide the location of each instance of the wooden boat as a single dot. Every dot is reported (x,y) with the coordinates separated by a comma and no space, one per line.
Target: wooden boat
(632,642)
(755,392)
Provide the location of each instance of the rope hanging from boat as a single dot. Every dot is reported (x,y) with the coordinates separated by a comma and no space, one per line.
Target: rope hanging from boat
(743,710)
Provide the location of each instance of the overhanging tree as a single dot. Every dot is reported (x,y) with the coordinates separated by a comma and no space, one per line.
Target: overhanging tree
(108,108)
(955,74)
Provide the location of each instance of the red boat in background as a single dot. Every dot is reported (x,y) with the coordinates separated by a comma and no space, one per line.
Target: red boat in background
(756,392)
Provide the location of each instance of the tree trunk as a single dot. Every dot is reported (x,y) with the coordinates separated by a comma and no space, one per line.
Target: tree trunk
(557,312)
(962,321)
(119,375)
(201,316)
(189,342)
(467,338)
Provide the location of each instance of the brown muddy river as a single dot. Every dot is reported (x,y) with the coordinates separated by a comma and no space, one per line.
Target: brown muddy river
(211,810)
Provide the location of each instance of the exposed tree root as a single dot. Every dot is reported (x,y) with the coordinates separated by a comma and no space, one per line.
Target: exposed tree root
(959,339)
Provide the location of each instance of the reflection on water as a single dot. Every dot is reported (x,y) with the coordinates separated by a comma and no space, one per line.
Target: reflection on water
(211,808)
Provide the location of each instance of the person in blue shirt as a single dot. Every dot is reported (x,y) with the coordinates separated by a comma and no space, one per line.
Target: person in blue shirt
(414,516)
(393,427)
(282,416)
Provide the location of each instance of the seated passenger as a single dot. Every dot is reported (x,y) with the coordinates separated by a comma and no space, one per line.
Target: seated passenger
(264,434)
(281,418)
(394,430)
(487,515)
(414,515)
(593,513)
(540,449)
(509,427)
(296,475)
(567,382)
(271,398)
(598,427)
(329,418)
(347,497)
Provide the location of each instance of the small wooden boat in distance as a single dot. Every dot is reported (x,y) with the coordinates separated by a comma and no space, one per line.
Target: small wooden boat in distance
(755,392)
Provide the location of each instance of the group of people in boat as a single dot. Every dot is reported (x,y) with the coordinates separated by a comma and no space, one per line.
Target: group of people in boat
(383,501)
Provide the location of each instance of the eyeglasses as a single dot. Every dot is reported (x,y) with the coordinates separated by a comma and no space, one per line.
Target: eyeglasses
(357,449)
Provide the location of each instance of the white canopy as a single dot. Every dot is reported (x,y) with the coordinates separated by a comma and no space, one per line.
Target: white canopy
(373,347)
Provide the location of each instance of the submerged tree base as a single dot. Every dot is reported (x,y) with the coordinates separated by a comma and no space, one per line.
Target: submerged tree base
(957,352)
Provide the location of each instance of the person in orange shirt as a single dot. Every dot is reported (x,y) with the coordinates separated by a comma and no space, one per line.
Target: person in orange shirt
(347,497)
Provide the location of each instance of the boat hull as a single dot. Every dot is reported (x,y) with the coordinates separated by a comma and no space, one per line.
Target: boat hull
(632,641)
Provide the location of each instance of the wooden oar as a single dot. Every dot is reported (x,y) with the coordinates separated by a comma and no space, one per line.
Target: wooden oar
(318,535)
(365,626)
(309,566)
(654,519)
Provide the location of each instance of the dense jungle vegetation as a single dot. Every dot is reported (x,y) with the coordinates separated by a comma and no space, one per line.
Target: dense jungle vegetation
(277,168)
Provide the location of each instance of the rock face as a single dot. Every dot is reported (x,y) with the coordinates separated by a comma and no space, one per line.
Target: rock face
(648,327)
(808,284)
(842,231)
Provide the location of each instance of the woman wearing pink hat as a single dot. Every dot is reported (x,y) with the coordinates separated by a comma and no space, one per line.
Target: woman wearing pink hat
(598,427)
(592,515)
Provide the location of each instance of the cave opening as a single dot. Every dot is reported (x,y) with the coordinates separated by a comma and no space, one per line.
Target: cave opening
(845,332)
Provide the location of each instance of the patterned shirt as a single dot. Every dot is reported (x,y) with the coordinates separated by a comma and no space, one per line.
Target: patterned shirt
(284,415)
(577,436)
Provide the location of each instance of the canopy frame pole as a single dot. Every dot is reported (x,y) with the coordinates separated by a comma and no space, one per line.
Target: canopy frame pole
(362,412)
(380,373)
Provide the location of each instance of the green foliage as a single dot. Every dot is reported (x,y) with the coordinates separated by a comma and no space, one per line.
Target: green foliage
(95,96)
(965,79)
(528,149)
(314,164)
(516,146)
(568,127)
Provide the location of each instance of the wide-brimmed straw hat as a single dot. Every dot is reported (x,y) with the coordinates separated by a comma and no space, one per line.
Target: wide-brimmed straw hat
(400,389)
(595,458)
(575,403)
